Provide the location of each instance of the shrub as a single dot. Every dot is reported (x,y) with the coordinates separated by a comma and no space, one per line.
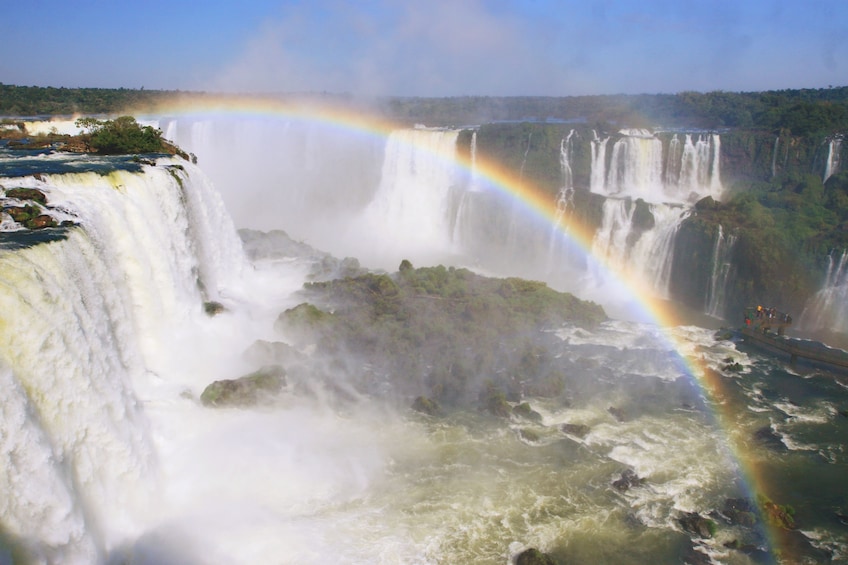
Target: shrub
(120,136)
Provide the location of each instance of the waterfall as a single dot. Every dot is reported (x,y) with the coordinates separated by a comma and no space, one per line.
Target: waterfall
(833,157)
(642,252)
(406,198)
(828,308)
(699,170)
(86,322)
(721,270)
(774,156)
(652,254)
(637,168)
(411,206)
(303,175)
(515,219)
(597,179)
(564,202)
(673,160)
(666,184)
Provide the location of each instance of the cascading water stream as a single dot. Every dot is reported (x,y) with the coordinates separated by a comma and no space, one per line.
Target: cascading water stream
(515,219)
(564,204)
(774,156)
(412,203)
(833,157)
(85,322)
(720,273)
(637,169)
(301,174)
(828,309)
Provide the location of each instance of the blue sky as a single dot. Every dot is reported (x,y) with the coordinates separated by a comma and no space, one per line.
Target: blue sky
(427,47)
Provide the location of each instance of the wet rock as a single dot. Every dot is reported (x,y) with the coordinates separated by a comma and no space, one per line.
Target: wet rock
(579,430)
(40,222)
(697,525)
(529,435)
(746,548)
(691,555)
(426,406)
(617,413)
(633,521)
(739,512)
(27,194)
(524,410)
(23,214)
(628,480)
(212,308)
(494,401)
(778,514)
(723,334)
(733,367)
(245,391)
(533,556)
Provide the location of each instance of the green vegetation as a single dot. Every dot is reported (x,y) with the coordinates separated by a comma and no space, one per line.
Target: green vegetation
(773,149)
(49,101)
(247,390)
(801,112)
(442,333)
(779,515)
(120,136)
(784,219)
(784,229)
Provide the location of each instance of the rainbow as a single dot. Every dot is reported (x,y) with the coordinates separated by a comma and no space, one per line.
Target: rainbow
(537,203)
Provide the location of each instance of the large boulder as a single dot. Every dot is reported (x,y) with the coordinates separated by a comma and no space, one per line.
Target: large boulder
(579,430)
(245,391)
(27,194)
(627,480)
(778,515)
(739,512)
(23,214)
(427,406)
(533,556)
(697,525)
(525,412)
(41,221)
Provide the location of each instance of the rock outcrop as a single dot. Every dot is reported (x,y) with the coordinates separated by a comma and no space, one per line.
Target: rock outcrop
(245,391)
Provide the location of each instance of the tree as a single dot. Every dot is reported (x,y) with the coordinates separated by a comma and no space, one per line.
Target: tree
(120,136)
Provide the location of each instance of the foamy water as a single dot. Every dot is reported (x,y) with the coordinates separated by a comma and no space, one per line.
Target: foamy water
(111,457)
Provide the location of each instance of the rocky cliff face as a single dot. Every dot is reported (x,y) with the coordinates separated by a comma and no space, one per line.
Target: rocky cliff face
(764,239)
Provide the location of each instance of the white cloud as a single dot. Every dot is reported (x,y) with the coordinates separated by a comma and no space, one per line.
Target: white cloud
(488,47)
(434,48)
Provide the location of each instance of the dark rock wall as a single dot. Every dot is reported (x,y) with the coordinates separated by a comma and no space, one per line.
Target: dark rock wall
(762,269)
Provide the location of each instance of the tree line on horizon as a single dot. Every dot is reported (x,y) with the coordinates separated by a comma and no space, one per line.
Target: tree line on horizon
(797,112)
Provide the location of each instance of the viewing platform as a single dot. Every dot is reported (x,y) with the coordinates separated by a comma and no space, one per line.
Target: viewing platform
(764,319)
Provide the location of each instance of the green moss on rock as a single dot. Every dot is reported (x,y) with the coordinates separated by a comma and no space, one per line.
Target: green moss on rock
(245,391)
(443,329)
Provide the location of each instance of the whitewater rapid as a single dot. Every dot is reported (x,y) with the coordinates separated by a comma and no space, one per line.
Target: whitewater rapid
(111,458)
